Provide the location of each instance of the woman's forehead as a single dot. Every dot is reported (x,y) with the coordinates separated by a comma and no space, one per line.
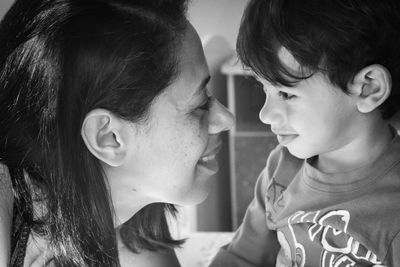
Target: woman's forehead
(193,74)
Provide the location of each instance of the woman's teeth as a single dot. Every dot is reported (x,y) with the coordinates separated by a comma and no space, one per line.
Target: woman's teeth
(207,158)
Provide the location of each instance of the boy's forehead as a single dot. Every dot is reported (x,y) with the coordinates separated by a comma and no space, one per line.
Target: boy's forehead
(288,60)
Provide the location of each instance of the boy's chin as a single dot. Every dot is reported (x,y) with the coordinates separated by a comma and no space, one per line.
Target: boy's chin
(300,153)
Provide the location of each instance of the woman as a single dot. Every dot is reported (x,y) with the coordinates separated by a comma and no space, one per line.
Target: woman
(105,117)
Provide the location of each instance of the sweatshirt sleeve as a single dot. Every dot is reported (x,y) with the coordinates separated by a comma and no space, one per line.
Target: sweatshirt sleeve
(253,244)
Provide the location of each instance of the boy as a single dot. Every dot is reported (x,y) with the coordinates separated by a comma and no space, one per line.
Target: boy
(330,192)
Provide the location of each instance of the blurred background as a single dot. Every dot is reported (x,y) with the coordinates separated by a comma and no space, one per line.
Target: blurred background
(247,146)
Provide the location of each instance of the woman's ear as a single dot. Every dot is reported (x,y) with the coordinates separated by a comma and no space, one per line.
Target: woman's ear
(102,133)
(371,86)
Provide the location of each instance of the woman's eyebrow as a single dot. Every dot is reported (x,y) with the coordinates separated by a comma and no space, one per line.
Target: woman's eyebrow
(202,85)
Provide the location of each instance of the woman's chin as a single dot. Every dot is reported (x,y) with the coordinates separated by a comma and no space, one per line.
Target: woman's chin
(195,196)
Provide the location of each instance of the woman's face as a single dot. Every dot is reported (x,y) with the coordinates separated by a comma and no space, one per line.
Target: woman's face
(174,154)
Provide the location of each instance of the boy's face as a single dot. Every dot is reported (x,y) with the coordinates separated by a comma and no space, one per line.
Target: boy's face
(312,118)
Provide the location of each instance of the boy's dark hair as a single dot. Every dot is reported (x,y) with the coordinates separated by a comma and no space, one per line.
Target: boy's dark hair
(59,60)
(336,37)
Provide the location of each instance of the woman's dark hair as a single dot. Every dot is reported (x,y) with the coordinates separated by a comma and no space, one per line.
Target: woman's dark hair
(59,60)
(335,37)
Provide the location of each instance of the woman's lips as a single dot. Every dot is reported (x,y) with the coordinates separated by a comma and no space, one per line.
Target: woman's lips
(208,161)
(214,146)
(209,167)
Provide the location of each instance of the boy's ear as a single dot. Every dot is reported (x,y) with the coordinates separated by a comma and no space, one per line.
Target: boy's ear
(372,86)
(102,133)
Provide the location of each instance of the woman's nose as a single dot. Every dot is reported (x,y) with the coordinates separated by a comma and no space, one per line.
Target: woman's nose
(221,119)
(270,112)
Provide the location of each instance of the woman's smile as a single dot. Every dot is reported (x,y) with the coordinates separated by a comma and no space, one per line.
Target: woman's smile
(208,162)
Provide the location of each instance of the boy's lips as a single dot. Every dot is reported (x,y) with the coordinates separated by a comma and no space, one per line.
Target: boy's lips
(286,139)
(284,136)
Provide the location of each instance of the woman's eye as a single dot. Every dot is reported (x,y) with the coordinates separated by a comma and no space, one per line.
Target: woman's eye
(285,96)
(206,105)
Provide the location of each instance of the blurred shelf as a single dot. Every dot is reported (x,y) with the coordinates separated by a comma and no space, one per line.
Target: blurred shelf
(254,134)
(250,141)
(234,67)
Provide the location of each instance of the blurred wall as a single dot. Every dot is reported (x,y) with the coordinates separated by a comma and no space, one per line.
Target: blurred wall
(4,6)
(217,22)
(221,17)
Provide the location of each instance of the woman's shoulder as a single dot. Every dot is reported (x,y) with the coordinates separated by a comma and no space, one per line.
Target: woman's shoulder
(145,258)
(148,258)
(6,206)
(6,194)
(4,173)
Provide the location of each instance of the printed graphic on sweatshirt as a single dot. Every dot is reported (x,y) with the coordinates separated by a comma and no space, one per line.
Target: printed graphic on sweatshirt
(275,196)
(325,237)
(275,191)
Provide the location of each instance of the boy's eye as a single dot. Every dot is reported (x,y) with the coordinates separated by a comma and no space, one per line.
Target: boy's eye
(206,105)
(285,96)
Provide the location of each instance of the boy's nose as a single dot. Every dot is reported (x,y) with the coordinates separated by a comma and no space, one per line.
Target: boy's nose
(221,119)
(270,112)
